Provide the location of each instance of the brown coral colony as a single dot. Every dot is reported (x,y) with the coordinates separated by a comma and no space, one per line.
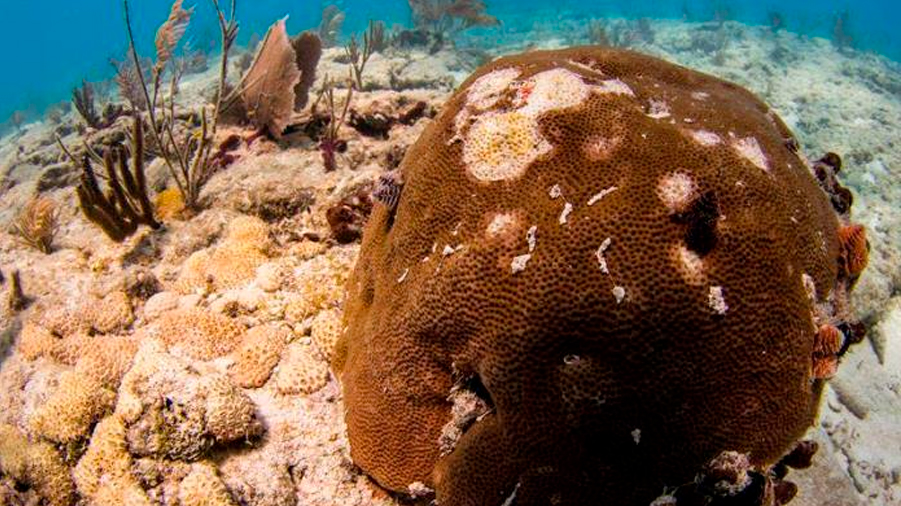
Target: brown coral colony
(618,258)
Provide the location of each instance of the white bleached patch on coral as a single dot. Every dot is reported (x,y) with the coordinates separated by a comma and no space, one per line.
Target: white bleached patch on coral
(564,215)
(403,275)
(689,264)
(509,501)
(716,300)
(615,87)
(554,89)
(450,250)
(700,95)
(419,489)
(598,147)
(619,293)
(501,146)
(676,191)
(658,109)
(704,137)
(810,288)
(488,89)
(602,261)
(636,435)
(501,224)
(601,194)
(532,237)
(519,262)
(555,192)
(584,67)
(749,149)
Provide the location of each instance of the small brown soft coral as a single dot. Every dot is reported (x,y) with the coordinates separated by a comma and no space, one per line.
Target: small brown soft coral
(854,251)
(827,345)
(625,261)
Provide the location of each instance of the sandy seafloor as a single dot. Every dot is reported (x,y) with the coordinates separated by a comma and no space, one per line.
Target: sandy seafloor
(840,101)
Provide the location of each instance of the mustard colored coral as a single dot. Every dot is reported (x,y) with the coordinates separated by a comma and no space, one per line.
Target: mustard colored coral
(258,354)
(300,371)
(69,413)
(199,333)
(325,331)
(35,341)
(111,313)
(171,410)
(231,263)
(106,458)
(203,487)
(38,465)
(230,414)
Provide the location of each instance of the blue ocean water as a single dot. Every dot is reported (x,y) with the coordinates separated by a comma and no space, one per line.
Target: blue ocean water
(52,45)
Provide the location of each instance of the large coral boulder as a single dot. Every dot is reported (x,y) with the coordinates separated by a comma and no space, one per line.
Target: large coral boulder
(601,272)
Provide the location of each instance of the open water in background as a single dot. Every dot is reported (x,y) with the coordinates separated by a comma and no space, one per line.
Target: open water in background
(49,46)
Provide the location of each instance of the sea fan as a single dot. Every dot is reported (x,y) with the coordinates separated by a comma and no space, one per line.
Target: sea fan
(170,33)
(268,86)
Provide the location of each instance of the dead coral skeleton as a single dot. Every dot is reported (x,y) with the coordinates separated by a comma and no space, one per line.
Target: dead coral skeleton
(37,223)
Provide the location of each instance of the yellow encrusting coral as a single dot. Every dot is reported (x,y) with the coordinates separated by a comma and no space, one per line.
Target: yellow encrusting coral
(69,413)
(325,331)
(230,414)
(202,487)
(169,204)
(258,354)
(232,263)
(199,333)
(171,410)
(300,372)
(38,465)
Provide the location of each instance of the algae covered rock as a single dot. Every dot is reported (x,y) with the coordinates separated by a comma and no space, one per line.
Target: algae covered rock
(629,263)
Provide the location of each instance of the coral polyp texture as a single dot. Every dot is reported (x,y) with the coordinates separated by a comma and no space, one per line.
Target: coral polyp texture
(629,263)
